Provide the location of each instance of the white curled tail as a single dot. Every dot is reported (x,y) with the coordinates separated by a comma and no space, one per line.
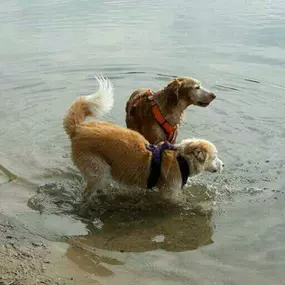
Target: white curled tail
(102,100)
(99,102)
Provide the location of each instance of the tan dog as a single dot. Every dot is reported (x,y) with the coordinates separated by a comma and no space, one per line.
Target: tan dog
(104,151)
(171,102)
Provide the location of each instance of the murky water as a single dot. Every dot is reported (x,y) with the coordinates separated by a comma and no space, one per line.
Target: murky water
(48,54)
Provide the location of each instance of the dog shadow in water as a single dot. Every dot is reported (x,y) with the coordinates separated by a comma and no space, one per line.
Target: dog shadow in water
(173,230)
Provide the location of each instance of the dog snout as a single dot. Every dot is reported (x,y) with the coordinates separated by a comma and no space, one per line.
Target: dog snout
(221,166)
(213,95)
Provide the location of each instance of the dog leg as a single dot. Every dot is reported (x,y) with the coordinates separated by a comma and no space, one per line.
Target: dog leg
(88,190)
(95,171)
(171,193)
(97,174)
(88,204)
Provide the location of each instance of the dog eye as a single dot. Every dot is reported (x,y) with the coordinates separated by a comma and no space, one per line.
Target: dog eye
(197,87)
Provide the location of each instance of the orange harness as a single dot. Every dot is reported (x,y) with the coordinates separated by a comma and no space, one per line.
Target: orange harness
(170,130)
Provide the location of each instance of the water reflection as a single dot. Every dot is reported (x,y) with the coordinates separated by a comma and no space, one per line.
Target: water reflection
(88,260)
(175,231)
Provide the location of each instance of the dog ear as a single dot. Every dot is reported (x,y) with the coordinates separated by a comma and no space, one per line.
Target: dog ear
(200,155)
(173,93)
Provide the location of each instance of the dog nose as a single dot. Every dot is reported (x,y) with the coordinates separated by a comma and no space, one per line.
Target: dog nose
(213,95)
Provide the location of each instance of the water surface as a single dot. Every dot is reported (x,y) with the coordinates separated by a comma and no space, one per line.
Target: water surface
(49,52)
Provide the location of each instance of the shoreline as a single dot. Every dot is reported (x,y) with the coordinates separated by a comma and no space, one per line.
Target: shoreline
(27,259)
(26,256)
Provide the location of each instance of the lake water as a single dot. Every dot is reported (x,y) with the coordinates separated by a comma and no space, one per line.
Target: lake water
(49,53)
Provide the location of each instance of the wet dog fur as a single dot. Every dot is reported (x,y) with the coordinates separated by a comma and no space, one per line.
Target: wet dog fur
(172,100)
(104,151)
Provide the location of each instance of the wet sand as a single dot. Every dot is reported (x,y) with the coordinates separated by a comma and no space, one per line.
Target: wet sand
(27,257)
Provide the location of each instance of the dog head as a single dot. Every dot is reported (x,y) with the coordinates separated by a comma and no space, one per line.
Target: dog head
(201,155)
(190,91)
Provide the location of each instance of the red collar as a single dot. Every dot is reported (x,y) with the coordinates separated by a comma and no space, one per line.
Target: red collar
(170,130)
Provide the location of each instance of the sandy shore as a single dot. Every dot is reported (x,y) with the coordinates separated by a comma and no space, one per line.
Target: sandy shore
(27,258)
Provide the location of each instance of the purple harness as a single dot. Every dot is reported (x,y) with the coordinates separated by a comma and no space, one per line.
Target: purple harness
(156,161)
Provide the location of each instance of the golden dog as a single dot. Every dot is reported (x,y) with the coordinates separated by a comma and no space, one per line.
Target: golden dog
(104,151)
(157,115)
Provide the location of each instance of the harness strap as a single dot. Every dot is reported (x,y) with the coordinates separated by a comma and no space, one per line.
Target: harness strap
(155,167)
(170,130)
(156,161)
(184,169)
